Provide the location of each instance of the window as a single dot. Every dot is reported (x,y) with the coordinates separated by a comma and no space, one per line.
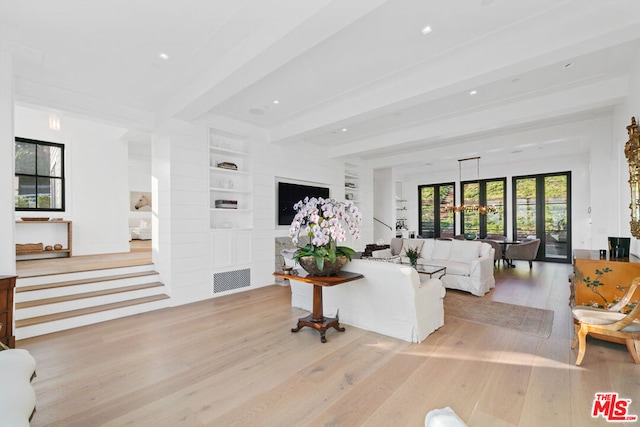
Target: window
(487,192)
(435,220)
(39,180)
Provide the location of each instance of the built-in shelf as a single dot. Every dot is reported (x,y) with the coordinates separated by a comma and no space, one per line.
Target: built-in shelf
(231,228)
(228,183)
(351,183)
(67,225)
(227,151)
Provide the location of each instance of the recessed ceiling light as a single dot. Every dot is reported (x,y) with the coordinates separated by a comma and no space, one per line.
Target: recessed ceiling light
(473,92)
(275,101)
(344,129)
(163,55)
(426,30)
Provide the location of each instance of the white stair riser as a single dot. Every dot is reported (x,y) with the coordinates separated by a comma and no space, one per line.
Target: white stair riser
(89,319)
(43,310)
(80,275)
(86,287)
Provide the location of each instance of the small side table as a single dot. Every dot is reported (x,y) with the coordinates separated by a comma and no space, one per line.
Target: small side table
(316,319)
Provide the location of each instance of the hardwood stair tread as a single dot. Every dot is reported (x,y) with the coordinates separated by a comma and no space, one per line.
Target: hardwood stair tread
(78,296)
(88,310)
(88,280)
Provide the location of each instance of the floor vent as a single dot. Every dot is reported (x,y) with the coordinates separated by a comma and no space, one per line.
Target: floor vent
(229,280)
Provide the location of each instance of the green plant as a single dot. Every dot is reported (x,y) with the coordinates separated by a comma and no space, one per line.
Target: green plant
(412,254)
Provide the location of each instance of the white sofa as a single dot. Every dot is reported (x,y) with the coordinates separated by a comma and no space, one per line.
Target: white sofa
(139,229)
(17,396)
(469,263)
(391,300)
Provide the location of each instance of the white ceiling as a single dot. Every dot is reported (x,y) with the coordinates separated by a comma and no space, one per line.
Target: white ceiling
(360,65)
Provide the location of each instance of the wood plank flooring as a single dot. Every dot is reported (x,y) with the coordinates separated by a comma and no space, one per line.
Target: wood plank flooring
(139,254)
(232,361)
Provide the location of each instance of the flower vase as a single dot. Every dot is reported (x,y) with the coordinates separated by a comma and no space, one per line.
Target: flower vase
(413,263)
(309,264)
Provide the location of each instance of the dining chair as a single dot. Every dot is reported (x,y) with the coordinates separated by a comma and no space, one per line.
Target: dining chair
(526,251)
(610,323)
(497,248)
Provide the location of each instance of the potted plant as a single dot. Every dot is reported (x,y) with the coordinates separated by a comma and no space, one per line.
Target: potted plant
(324,220)
(413,255)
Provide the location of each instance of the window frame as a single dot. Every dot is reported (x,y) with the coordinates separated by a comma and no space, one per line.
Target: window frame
(36,176)
(482,193)
(540,218)
(437,208)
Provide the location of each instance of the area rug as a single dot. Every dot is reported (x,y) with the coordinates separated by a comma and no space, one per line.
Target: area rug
(528,320)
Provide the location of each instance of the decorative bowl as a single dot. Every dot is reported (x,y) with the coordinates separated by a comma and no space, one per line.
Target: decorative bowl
(308,263)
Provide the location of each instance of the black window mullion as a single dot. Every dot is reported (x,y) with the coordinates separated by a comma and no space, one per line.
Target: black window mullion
(48,177)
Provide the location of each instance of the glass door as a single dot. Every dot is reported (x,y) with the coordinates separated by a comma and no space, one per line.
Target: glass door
(435,220)
(542,209)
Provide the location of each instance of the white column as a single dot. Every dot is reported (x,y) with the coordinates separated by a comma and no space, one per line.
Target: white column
(7,218)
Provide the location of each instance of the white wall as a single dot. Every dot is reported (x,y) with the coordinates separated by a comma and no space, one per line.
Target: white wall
(621,119)
(7,244)
(180,217)
(96,174)
(384,205)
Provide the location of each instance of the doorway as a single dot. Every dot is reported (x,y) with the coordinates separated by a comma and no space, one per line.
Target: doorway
(542,209)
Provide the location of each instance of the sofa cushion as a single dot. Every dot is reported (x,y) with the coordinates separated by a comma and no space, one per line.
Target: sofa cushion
(427,249)
(411,244)
(485,249)
(441,249)
(454,268)
(396,245)
(465,251)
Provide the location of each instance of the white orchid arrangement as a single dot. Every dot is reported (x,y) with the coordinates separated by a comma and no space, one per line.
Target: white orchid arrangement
(323,221)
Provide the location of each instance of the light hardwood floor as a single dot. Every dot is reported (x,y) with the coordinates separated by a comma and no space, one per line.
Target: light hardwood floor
(232,361)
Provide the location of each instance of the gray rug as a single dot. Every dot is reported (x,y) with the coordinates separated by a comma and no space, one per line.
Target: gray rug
(528,320)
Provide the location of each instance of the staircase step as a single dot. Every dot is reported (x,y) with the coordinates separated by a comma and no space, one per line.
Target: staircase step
(89,310)
(102,292)
(31,288)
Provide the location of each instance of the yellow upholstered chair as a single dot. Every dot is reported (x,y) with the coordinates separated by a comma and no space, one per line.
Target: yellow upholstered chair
(611,323)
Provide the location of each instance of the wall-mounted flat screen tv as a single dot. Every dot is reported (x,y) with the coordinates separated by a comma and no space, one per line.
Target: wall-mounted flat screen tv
(289,194)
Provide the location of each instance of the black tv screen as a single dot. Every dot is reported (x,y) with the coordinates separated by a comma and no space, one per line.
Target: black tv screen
(290,194)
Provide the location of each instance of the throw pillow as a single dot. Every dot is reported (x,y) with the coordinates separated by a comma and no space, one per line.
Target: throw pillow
(411,243)
(465,251)
(441,249)
(427,249)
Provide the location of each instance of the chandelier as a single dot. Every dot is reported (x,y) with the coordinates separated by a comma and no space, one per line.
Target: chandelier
(483,210)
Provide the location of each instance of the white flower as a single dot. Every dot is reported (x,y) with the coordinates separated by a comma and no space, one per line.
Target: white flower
(322,220)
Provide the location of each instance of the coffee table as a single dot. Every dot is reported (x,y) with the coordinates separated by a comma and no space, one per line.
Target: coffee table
(430,269)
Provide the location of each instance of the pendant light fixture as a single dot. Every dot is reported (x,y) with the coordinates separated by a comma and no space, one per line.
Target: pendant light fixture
(483,210)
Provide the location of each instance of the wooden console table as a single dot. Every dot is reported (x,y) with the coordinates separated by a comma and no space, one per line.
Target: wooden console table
(316,319)
(67,249)
(7,286)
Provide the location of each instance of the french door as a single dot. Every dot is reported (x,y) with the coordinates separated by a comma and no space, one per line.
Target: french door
(435,219)
(542,209)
